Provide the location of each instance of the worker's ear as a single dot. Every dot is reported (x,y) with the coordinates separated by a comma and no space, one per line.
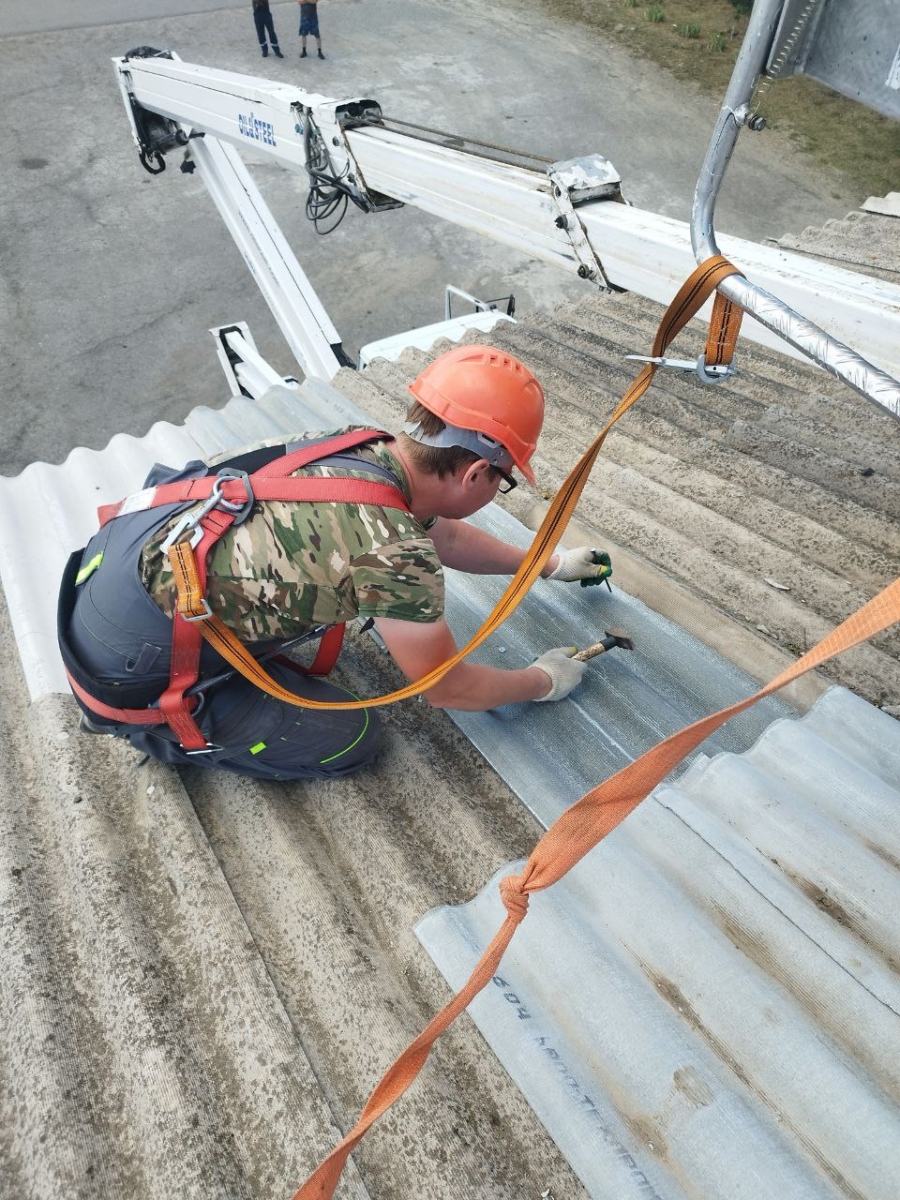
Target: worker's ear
(474,473)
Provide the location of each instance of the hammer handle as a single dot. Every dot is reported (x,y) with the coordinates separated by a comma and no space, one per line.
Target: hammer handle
(592,651)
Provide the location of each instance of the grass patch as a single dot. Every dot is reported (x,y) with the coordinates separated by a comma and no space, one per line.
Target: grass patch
(698,41)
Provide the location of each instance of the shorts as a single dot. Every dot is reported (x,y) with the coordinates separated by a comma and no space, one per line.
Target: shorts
(309,20)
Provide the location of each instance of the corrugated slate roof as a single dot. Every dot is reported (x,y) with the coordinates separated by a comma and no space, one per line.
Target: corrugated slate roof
(867,241)
(207,974)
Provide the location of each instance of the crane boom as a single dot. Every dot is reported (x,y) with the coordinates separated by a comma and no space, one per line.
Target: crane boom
(569,213)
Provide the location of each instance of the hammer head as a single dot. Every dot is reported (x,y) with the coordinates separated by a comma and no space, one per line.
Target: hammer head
(622,638)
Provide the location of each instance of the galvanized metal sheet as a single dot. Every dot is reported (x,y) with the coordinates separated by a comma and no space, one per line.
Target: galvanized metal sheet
(851,45)
(709,1004)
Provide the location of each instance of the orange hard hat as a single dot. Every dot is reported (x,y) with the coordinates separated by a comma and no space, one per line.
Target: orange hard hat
(486,390)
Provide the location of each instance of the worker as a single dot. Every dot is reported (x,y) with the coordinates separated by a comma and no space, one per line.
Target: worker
(285,570)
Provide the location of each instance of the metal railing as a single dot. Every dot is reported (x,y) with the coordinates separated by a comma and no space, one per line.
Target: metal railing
(735,114)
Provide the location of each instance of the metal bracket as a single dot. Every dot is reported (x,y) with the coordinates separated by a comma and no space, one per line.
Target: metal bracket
(246,370)
(567,219)
(328,121)
(478,305)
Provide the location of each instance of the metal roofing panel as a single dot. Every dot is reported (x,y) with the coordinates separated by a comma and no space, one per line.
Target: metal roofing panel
(709,1004)
(627,703)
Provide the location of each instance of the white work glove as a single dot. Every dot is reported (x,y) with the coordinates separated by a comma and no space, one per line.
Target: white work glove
(565,672)
(584,563)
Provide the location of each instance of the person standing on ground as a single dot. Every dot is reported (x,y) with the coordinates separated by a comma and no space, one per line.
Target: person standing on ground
(262,19)
(309,25)
(286,571)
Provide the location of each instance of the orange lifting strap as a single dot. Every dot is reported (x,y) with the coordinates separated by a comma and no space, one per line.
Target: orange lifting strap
(564,844)
(192,604)
(600,810)
(724,327)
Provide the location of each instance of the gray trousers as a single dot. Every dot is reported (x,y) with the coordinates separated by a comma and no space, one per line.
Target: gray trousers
(123,640)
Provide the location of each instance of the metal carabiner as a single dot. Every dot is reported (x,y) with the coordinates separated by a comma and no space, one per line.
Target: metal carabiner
(711,374)
(190,522)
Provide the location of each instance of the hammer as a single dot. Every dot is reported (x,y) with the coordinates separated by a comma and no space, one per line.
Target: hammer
(616,639)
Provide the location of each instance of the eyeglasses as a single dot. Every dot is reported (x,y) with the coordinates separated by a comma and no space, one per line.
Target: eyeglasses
(508,482)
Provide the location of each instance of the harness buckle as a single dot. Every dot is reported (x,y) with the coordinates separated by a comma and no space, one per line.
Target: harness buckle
(243,507)
(190,522)
(195,617)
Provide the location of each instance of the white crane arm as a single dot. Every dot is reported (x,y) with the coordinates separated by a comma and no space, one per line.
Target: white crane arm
(562,213)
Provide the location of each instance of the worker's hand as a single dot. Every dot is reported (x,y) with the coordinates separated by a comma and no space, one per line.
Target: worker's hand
(583,563)
(564,671)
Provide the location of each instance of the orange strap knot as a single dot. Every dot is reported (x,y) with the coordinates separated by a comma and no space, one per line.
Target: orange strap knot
(514,898)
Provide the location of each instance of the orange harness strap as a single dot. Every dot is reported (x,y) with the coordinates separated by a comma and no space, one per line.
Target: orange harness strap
(724,327)
(191,604)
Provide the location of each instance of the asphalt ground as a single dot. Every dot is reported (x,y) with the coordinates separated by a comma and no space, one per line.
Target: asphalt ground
(110,279)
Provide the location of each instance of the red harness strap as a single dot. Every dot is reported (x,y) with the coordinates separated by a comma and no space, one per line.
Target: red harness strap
(186,645)
(329,651)
(126,716)
(272,482)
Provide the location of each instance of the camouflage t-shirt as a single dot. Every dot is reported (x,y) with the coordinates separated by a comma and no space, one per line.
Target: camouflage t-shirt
(294,565)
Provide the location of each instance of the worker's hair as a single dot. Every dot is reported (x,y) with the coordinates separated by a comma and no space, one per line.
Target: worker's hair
(434,460)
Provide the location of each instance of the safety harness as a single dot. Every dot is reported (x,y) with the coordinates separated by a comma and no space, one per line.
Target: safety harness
(227,499)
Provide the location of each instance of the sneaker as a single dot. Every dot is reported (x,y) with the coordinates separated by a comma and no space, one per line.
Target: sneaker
(277,52)
(303,53)
(321,55)
(265,51)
